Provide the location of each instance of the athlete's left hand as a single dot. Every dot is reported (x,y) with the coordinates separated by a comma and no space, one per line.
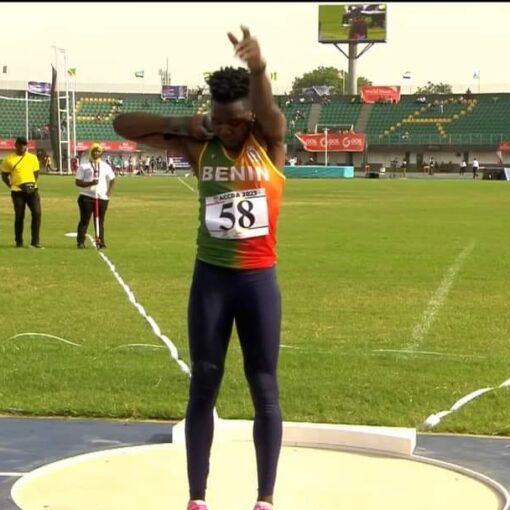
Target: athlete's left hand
(248,50)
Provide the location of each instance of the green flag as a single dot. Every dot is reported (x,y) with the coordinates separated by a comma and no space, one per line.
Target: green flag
(139,74)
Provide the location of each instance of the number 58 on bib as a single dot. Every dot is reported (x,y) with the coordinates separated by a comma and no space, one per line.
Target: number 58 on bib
(237,214)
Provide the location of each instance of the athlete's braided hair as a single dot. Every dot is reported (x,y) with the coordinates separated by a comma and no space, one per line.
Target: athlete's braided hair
(229,84)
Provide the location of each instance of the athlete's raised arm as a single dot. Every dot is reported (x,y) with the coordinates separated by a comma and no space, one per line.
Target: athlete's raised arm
(267,114)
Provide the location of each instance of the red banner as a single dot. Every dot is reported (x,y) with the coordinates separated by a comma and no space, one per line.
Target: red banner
(337,142)
(110,146)
(7,144)
(371,94)
(504,147)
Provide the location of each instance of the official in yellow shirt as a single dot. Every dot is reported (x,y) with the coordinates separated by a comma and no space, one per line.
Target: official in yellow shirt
(20,171)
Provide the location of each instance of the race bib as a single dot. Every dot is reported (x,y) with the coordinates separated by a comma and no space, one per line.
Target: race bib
(237,214)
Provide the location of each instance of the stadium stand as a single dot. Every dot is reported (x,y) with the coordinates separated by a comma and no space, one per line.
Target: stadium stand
(339,113)
(447,119)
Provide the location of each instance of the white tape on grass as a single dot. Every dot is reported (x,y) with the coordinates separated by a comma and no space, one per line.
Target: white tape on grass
(152,323)
(422,328)
(129,346)
(435,419)
(429,353)
(141,310)
(45,335)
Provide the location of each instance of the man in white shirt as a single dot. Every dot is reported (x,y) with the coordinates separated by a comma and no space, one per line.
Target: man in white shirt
(96,180)
(475,166)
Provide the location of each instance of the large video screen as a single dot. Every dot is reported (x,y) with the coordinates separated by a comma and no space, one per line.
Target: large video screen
(352,23)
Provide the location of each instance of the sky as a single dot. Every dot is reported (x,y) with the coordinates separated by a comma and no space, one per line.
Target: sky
(107,42)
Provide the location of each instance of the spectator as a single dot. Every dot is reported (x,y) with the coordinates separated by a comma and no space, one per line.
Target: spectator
(170,165)
(403,168)
(20,172)
(432,166)
(475,166)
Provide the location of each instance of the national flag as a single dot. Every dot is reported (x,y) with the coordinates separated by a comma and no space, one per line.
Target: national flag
(4,69)
(139,74)
(71,71)
(407,75)
(207,74)
(274,76)
(476,75)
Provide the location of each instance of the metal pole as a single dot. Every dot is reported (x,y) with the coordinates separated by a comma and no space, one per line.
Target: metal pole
(74,120)
(26,114)
(326,151)
(352,88)
(58,114)
(68,125)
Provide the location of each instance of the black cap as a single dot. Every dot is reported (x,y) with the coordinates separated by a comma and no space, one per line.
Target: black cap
(21,140)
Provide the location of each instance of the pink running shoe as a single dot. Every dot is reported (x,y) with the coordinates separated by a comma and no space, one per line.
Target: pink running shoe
(197,505)
(260,505)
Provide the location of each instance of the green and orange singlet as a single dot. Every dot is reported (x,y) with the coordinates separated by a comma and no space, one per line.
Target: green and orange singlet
(239,206)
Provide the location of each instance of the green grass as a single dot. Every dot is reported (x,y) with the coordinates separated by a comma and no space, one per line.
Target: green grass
(359,261)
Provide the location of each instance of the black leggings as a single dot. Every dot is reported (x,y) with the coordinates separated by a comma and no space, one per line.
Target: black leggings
(86,205)
(218,297)
(20,199)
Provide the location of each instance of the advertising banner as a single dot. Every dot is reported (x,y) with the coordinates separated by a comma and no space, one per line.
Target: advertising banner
(174,92)
(110,146)
(371,94)
(39,87)
(337,142)
(7,144)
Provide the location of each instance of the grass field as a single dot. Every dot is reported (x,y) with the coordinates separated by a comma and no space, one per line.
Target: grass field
(361,265)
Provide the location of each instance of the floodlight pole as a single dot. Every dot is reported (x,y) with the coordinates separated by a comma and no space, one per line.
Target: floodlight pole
(352,56)
(27,133)
(326,148)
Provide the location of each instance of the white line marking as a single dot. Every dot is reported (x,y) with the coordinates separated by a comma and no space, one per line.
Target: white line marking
(430,353)
(422,328)
(12,474)
(46,335)
(152,323)
(185,184)
(141,310)
(124,346)
(434,419)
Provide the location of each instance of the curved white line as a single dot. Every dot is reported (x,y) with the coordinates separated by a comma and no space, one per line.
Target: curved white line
(45,335)
(469,472)
(123,346)
(430,353)
(434,419)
